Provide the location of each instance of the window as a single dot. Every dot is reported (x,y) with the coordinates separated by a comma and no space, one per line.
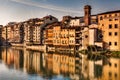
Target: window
(110,33)
(50,18)
(70,41)
(116,25)
(102,24)
(115,43)
(110,15)
(116,34)
(65,42)
(101,18)
(86,13)
(115,15)
(57,41)
(86,36)
(110,74)
(116,19)
(110,64)
(105,16)
(110,43)
(115,65)
(110,26)
(110,19)
(62,42)
(115,75)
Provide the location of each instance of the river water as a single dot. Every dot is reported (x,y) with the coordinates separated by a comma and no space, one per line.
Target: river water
(22,64)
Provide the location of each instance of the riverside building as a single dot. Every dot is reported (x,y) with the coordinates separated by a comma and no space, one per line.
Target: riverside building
(109,23)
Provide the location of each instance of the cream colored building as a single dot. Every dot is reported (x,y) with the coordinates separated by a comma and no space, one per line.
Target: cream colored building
(4,32)
(95,36)
(64,37)
(85,38)
(48,35)
(77,21)
(72,36)
(33,31)
(109,24)
(36,34)
(11,32)
(56,35)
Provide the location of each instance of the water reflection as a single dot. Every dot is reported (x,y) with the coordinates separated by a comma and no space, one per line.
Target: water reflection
(55,65)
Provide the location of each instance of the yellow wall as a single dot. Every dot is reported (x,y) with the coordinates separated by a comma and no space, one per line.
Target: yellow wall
(56,35)
(104,21)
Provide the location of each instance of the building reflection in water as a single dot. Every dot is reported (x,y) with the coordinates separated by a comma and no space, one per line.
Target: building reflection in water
(74,66)
(112,70)
(32,62)
(8,57)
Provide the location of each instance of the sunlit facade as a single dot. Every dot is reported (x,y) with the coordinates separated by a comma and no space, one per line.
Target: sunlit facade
(109,24)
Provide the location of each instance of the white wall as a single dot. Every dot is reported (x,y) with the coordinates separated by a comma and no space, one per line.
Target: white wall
(91,36)
(74,22)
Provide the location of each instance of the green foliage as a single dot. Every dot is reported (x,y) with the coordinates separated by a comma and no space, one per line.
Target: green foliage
(84,51)
(115,54)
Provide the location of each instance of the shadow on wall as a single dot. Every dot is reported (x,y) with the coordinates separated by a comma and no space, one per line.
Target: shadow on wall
(106,46)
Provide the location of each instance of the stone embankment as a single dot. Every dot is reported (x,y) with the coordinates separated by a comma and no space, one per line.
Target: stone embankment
(31,47)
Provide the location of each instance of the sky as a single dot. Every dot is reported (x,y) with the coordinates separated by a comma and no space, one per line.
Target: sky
(21,10)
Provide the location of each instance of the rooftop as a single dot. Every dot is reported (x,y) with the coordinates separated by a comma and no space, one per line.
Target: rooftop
(108,12)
